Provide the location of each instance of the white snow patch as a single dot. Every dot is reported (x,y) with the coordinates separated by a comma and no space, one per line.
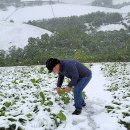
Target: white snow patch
(111,27)
(95,89)
(125,9)
(45,11)
(105,122)
(18,34)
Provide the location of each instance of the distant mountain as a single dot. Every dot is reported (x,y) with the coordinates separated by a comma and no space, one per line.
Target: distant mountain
(65,1)
(81,1)
(115,2)
(77,1)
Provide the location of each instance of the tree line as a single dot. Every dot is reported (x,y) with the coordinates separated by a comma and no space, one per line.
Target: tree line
(94,20)
(70,40)
(109,4)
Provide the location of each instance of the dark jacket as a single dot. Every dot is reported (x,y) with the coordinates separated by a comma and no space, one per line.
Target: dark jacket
(74,70)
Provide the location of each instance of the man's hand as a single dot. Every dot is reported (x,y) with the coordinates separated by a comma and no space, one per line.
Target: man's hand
(58,89)
(67,89)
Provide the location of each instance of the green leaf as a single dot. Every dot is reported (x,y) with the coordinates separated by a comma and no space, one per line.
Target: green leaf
(29,115)
(21,81)
(109,107)
(61,116)
(14,82)
(2,109)
(39,80)
(41,70)
(49,103)
(43,97)
(12,119)
(2,113)
(84,94)
(62,91)
(7,104)
(22,121)
(65,99)
(35,109)
(56,122)
(33,81)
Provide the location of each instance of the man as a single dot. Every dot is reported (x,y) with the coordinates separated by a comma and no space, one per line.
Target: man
(79,75)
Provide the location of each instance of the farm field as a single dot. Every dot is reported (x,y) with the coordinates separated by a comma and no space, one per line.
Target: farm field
(28,99)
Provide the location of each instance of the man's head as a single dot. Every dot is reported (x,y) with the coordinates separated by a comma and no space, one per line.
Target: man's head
(53,64)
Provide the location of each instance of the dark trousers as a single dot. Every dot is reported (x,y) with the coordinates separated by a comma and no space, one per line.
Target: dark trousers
(78,98)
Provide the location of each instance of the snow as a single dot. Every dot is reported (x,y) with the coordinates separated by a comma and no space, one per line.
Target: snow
(6,14)
(97,84)
(107,123)
(125,9)
(18,34)
(44,11)
(111,27)
(24,96)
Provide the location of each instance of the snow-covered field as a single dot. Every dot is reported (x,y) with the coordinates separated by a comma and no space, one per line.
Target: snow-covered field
(125,9)
(118,76)
(28,99)
(18,34)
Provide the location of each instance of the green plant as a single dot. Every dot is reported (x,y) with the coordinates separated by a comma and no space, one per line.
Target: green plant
(7,104)
(126,124)
(42,97)
(65,97)
(60,117)
(12,119)
(109,108)
(29,115)
(41,70)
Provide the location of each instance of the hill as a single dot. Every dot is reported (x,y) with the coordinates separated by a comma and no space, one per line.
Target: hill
(44,11)
(18,34)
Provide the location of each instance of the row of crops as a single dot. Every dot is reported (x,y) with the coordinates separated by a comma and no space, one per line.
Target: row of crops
(118,75)
(28,99)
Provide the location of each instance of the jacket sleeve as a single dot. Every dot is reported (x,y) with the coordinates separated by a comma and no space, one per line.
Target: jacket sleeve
(60,80)
(72,70)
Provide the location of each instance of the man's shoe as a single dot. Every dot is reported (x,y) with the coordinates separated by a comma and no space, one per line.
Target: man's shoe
(76,112)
